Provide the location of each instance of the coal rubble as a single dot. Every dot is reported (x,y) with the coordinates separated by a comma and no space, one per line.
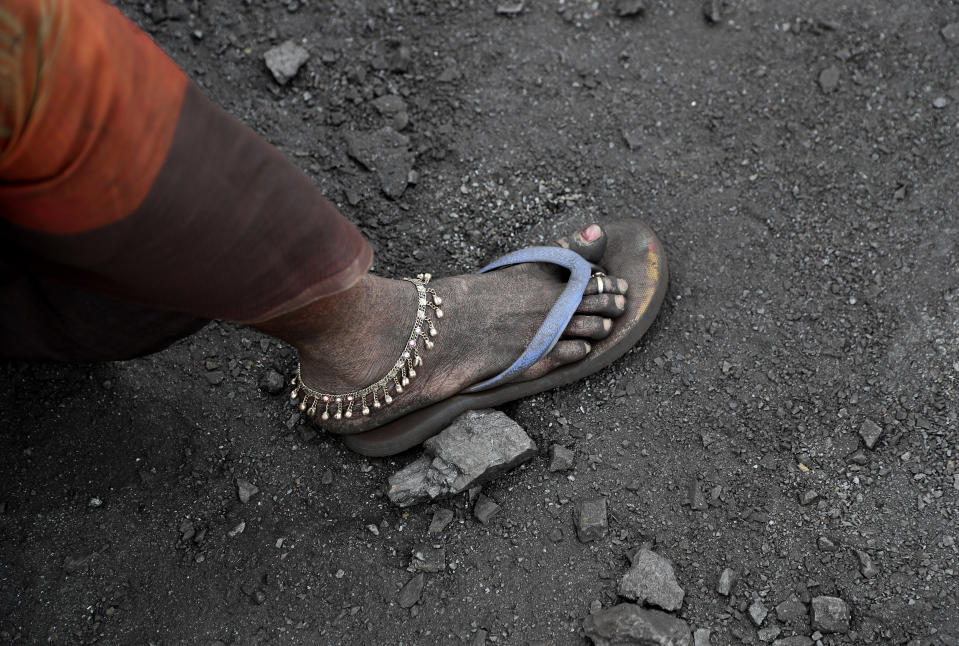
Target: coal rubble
(781,441)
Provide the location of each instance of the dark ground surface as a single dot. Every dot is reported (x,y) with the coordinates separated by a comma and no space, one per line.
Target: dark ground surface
(812,239)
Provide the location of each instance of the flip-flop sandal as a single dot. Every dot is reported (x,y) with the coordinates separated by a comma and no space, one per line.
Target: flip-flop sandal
(633,252)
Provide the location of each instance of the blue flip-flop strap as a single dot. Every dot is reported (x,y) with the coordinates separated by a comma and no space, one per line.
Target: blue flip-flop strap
(559,315)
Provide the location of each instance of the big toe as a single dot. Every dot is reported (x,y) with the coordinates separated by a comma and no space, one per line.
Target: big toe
(590,243)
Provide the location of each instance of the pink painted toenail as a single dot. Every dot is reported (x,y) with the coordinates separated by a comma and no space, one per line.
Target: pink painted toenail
(590,233)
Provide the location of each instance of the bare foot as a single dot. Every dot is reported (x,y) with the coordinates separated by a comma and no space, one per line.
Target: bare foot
(351,340)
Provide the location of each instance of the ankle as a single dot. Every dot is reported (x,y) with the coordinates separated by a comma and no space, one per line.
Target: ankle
(350,339)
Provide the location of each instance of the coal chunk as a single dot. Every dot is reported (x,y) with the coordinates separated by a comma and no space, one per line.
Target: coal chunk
(711,11)
(560,458)
(245,490)
(829,79)
(627,8)
(386,153)
(484,509)
(627,623)
(590,519)
(411,592)
(791,610)
(651,580)
(441,518)
(285,60)
(870,432)
(727,579)
(829,615)
(474,449)
(272,382)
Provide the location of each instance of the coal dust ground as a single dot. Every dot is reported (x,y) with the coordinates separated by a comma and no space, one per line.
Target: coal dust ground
(798,160)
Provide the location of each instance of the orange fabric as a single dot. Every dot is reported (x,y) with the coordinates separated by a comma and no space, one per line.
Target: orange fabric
(88,108)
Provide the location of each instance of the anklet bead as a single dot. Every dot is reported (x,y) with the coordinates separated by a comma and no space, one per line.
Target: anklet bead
(387,400)
(439,313)
(366,411)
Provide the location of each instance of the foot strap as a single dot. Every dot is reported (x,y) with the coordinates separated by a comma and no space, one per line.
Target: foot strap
(559,315)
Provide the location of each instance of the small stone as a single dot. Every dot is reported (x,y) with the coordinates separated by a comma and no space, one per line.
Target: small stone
(711,11)
(651,580)
(870,433)
(560,458)
(479,638)
(555,535)
(829,79)
(327,477)
(484,509)
(441,518)
(808,497)
(829,614)
(285,60)
(237,530)
(306,434)
(727,579)
(769,633)
(627,623)
(634,138)
(866,566)
(758,612)
(272,382)
(387,153)
(826,545)
(589,516)
(859,457)
(411,592)
(245,490)
(702,637)
(697,501)
(796,640)
(73,564)
(389,104)
(215,377)
(474,449)
(510,8)
(940,102)
(950,33)
(626,8)
(393,55)
(791,610)
(394,107)
(428,558)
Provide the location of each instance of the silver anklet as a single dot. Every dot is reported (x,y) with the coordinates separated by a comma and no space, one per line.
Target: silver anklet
(340,405)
